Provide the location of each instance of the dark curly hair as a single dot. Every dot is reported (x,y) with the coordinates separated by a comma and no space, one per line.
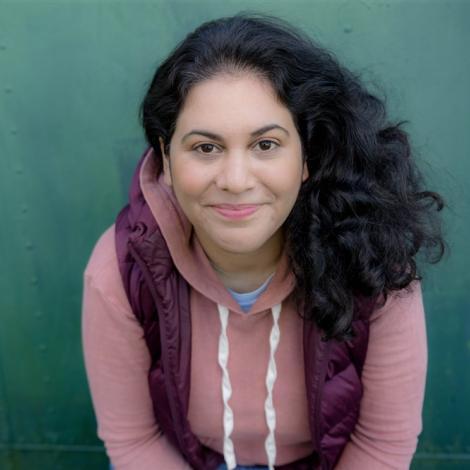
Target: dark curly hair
(363,214)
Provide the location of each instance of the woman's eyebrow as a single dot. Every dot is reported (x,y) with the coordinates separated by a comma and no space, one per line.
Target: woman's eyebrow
(212,135)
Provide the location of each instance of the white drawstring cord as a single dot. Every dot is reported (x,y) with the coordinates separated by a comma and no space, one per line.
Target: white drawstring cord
(229,453)
(270,412)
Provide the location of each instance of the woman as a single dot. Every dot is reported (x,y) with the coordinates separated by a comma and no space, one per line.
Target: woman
(257,303)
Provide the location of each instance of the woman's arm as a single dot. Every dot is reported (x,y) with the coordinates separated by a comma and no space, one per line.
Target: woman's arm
(394,376)
(117,363)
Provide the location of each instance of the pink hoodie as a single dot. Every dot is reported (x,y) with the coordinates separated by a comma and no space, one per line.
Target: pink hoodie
(117,362)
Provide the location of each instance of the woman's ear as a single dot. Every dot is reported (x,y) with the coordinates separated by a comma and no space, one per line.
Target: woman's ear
(305,173)
(166,163)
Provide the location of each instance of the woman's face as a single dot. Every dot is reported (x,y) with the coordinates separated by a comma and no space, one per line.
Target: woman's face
(235,164)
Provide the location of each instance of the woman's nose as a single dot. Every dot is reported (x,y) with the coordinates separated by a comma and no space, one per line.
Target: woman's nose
(236,173)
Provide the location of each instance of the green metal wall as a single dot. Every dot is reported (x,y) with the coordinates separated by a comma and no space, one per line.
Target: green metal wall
(72,74)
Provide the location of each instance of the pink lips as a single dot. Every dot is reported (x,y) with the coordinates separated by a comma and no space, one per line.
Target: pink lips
(236,211)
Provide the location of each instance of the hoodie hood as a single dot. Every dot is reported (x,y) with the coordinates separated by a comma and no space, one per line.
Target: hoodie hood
(187,253)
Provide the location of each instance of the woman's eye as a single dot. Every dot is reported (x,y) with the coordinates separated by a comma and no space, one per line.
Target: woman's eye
(205,148)
(267,145)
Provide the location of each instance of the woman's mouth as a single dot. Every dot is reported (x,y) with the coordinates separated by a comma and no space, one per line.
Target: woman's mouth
(236,211)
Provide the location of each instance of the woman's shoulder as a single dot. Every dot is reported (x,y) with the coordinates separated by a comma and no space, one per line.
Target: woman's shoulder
(102,270)
(401,308)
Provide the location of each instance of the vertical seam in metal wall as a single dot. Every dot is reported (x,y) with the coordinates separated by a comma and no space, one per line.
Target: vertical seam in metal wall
(5,418)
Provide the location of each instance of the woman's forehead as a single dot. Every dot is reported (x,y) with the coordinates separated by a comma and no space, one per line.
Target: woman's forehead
(225,105)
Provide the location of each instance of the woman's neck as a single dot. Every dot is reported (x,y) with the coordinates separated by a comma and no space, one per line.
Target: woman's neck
(245,272)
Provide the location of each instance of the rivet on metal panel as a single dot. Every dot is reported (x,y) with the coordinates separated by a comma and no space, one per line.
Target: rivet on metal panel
(38,313)
(24,208)
(46,379)
(14,131)
(347,29)
(29,245)
(2,47)
(42,347)
(19,170)
(8,90)
(34,281)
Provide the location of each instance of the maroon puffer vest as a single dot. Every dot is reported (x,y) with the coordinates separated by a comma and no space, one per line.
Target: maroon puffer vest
(159,297)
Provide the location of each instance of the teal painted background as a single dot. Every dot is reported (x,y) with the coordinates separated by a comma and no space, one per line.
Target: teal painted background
(72,75)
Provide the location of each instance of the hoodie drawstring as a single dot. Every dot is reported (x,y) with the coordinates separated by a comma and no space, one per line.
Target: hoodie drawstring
(229,453)
(270,412)
(271,375)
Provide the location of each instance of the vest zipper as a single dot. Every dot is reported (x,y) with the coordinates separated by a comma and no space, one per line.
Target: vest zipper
(325,350)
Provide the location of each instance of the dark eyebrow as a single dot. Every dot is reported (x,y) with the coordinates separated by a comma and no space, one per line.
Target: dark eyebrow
(213,136)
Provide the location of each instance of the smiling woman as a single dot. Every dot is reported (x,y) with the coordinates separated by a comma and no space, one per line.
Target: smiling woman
(258,304)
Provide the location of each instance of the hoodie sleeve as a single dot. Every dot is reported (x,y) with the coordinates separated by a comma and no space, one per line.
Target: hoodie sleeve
(393,377)
(117,363)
